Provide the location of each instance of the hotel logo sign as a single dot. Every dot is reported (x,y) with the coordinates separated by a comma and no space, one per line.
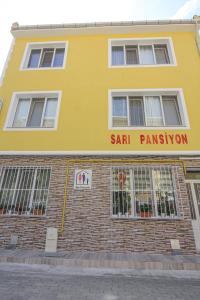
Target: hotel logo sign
(83,179)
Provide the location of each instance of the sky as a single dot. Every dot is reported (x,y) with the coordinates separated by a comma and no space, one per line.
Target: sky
(29,12)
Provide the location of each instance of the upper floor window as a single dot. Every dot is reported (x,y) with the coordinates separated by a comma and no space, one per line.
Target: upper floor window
(33,110)
(148,109)
(144,52)
(44,55)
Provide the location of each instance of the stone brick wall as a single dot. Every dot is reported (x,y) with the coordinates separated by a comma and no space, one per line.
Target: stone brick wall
(31,230)
(88,223)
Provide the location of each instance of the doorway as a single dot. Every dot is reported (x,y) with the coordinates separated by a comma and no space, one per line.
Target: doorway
(193,188)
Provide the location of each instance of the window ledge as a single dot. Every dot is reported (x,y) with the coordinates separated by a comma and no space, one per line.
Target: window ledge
(23,215)
(29,129)
(143,66)
(40,69)
(147,218)
(151,128)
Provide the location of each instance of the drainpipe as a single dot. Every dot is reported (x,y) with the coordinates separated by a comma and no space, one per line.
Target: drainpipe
(197,30)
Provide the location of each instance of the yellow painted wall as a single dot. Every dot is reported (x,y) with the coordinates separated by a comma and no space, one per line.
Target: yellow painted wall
(83,118)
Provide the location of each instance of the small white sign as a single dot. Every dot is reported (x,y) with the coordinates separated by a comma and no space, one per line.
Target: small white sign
(51,239)
(83,179)
(175,244)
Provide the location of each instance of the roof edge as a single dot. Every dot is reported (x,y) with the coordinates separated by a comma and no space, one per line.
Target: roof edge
(16,27)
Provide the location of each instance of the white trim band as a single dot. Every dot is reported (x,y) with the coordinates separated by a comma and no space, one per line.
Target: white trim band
(85,152)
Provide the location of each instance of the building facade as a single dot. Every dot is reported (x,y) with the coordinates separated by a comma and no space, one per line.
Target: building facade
(100,137)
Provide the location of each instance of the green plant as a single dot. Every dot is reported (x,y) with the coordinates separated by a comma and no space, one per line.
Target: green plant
(145,207)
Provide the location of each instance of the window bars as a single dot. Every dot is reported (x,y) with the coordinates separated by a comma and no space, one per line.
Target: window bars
(24,190)
(144,192)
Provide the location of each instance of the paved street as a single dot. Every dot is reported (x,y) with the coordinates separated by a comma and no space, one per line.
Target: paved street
(31,282)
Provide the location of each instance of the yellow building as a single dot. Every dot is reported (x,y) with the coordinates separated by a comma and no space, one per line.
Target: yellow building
(100,136)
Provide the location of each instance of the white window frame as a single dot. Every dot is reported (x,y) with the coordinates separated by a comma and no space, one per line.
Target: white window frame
(42,45)
(36,94)
(33,188)
(150,92)
(154,202)
(142,42)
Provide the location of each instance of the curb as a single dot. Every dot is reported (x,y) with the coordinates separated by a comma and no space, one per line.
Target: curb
(114,264)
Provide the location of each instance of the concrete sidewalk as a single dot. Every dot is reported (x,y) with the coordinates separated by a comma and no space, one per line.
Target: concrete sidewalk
(80,259)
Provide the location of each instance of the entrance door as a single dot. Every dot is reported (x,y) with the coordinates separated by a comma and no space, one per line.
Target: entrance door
(193,187)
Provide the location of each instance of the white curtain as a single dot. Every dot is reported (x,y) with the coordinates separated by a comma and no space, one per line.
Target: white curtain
(119,111)
(50,112)
(21,114)
(117,55)
(146,55)
(153,111)
(119,107)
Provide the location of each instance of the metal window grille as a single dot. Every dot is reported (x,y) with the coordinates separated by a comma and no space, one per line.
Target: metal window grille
(144,191)
(24,190)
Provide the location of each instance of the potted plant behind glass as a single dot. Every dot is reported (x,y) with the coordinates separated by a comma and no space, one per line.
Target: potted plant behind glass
(145,210)
(38,209)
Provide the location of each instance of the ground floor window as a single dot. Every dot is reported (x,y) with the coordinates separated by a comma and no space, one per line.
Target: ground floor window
(143,192)
(24,190)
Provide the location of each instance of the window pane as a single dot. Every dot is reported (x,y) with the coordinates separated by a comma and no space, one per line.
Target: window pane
(161,54)
(171,112)
(21,114)
(164,189)
(117,55)
(197,192)
(42,179)
(7,188)
(119,111)
(41,191)
(51,106)
(192,174)
(143,194)
(48,123)
(47,56)
(121,185)
(24,190)
(50,113)
(142,179)
(35,114)
(153,111)
(34,58)
(9,178)
(136,110)
(58,58)
(146,55)
(119,106)
(132,55)
(191,201)
(121,179)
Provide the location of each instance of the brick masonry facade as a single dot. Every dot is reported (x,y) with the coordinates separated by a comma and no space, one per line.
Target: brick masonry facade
(88,224)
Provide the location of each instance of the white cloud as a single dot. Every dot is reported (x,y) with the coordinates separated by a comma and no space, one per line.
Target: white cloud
(186,9)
